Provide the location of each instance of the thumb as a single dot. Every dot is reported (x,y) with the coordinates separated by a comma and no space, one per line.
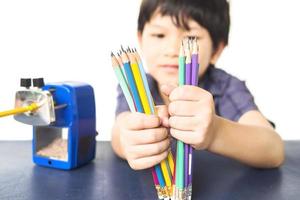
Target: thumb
(163,114)
(167,88)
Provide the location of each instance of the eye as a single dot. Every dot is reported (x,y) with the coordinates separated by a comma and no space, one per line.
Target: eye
(158,35)
(193,37)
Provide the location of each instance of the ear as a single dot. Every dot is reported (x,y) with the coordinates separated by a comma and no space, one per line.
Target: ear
(217,53)
(139,36)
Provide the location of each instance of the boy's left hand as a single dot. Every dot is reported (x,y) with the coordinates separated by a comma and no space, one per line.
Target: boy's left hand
(192,115)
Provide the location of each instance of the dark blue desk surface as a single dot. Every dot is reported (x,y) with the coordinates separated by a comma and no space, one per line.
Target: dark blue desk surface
(109,178)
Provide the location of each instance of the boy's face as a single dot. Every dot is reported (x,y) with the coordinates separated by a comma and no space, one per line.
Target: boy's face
(160,44)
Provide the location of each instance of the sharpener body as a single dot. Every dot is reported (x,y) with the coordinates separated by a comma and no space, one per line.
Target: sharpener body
(70,141)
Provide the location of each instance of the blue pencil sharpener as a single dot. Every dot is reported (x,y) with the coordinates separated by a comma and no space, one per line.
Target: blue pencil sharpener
(64,126)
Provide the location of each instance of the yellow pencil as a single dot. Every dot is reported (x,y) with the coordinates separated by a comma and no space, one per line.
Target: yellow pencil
(171,162)
(139,83)
(31,107)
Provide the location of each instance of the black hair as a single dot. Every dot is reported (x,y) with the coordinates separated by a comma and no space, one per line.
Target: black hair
(210,14)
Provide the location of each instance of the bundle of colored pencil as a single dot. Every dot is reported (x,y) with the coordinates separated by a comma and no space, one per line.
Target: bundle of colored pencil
(132,79)
(188,75)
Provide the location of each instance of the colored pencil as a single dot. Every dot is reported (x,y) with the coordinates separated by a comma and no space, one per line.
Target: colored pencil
(145,81)
(188,75)
(122,81)
(179,172)
(131,82)
(188,80)
(146,105)
(137,93)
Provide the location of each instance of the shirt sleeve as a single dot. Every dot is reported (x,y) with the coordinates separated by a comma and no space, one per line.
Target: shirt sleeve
(122,104)
(236,100)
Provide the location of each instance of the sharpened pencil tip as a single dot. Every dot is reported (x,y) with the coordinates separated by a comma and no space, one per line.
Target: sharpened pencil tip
(112,54)
(122,48)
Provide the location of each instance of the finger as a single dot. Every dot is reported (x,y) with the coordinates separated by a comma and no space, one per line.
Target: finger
(162,110)
(163,113)
(185,108)
(188,92)
(138,121)
(147,136)
(167,88)
(146,162)
(188,137)
(146,150)
(185,123)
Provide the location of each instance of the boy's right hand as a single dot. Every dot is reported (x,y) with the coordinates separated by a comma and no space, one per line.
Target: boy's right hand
(144,138)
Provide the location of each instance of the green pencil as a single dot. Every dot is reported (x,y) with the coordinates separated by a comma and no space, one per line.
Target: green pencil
(122,81)
(180,146)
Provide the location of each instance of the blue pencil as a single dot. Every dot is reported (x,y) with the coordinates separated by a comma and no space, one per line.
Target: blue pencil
(131,83)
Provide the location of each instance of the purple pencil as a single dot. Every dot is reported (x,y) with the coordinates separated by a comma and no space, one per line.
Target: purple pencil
(188,69)
(186,165)
(195,78)
(188,80)
(195,64)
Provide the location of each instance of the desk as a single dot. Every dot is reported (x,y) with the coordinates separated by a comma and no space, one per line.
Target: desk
(110,178)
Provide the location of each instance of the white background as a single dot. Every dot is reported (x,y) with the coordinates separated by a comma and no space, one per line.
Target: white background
(72,40)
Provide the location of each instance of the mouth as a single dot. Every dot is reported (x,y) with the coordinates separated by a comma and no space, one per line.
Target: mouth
(170,68)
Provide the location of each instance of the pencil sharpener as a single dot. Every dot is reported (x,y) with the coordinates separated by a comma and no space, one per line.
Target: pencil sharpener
(64,135)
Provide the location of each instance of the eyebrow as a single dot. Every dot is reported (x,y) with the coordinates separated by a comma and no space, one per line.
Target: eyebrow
(160,26)
(156,25)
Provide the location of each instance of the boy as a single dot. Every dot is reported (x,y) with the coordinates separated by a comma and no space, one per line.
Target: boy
(219,116)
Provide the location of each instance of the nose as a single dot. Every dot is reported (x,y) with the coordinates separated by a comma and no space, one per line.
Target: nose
(172,46)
